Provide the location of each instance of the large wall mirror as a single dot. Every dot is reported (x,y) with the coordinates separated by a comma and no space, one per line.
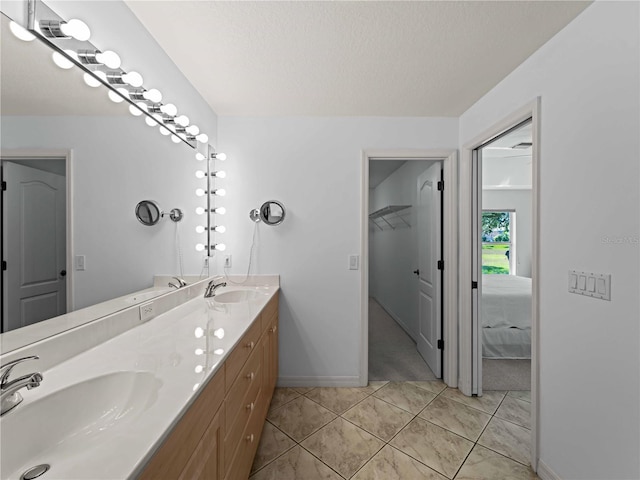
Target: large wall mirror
(59,134)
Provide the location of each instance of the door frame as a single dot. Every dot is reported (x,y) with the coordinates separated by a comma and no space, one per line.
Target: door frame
(467,346)
(449,160)
(22,154)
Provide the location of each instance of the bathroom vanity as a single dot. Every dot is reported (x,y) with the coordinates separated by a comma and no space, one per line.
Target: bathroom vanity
(181,395)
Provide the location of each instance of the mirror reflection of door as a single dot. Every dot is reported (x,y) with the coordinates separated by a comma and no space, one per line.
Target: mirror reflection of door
(33,241)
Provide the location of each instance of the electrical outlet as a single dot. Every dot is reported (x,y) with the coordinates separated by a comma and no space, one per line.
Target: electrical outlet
(227,261)
(147,312)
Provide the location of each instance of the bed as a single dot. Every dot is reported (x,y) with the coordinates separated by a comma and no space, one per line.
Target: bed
(506,316)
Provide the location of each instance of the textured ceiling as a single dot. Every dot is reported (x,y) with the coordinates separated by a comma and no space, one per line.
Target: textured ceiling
(389,58)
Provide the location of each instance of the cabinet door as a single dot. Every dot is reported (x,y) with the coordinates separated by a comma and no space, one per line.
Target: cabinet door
(206,461)
(272,366)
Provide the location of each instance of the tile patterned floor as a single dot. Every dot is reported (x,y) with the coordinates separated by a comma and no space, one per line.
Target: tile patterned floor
(395,431)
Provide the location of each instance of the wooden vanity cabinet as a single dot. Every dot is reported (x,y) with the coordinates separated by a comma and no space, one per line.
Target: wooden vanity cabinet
(218,436)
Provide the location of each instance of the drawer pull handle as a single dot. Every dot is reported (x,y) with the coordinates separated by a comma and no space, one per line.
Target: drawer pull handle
(273,329)
(251,406)
(250,438)
(250,375)
(250,345)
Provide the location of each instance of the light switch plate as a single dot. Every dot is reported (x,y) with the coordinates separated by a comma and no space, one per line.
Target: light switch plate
(354,262)
(590,284)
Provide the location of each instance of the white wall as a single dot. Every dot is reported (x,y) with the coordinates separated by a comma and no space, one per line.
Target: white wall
(312,165)
(588,77)
(520,201)
(393,254)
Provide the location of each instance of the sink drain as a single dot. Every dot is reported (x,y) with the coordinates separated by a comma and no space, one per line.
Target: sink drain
(35,472)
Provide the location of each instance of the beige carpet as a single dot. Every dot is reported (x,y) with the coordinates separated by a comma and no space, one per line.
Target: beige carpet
(392,353)
(499,374)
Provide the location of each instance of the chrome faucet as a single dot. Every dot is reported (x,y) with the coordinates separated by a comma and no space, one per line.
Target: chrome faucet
(212,287)
(180,283)
(9,395)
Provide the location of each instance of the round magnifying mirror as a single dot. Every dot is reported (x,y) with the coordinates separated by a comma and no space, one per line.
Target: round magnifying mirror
(272,212)
(148,212)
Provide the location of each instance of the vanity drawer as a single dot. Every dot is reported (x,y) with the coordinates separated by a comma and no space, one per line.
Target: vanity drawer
(241,463)
(249,377)
(268,312)
(250,409)
(241,353)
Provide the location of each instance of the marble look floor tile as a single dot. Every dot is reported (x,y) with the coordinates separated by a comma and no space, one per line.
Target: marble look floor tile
(520,395)
(273,443)
(457,417)
(338,399)
(303,390)
(515,411)
(433,386)
(297,463)
(485,464)
(507,438)
(343,446)
(488,402)
(406,396)
(392,464)
(434,446)
(300,417)
(282,396)
(378,417)
(377,384)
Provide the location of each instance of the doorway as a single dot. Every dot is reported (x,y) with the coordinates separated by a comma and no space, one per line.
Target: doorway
(34,239)
(429,318)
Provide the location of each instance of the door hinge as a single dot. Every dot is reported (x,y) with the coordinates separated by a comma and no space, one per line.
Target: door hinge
(4,265)
(440,264)
(441,185)
(474,284)
(440,344)
(4,186)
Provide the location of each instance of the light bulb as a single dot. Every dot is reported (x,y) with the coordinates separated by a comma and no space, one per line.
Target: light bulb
(202,138)
(175,139)
(109,59)
(20,32)
(196,386)
(200,229)
(182,120)
(114,97)
(62,61)
(200,192)
(198,369)
(153,95)
(198,332)
(220,210)
(220,228)
(199,247)
(220,174)
(136,112)
(221,156)
(218,351)
(220,192)
(164,131)
(199,351)
(200,174)
(90,80)
(221,247)
(169,109)
(200,210)
(151,121)
(193,130)
(77,29)
(199,156)
(219,333)
(133,78)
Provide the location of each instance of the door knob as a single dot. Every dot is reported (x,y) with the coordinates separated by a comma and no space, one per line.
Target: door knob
(63,273)
(417,272)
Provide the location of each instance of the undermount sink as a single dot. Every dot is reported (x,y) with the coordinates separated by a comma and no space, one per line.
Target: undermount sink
(64,424)
(237,296)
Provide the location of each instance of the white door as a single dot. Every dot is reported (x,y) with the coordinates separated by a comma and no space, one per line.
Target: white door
(34,244)
(429,223)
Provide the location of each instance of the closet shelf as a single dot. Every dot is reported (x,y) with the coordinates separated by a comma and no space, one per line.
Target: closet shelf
(387,214)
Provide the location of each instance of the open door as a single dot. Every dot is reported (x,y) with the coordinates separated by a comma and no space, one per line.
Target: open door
(34,245)
(429,222)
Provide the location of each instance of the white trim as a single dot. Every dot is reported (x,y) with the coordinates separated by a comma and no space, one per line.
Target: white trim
(507,187)
(346,381)
(449,160)
(531,110)
(55,154)
(545,473)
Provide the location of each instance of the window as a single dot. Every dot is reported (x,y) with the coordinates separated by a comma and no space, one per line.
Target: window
(498,242)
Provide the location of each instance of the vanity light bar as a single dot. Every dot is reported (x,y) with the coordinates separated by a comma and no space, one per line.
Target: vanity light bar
(70,41)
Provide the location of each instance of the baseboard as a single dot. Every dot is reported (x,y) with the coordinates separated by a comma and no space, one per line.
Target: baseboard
(545,473)
(353,381)
(396,318)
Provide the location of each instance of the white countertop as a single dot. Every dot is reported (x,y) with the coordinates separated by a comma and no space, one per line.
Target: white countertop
(175,354)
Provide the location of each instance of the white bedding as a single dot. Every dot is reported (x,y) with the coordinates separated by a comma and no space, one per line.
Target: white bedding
(506,301)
